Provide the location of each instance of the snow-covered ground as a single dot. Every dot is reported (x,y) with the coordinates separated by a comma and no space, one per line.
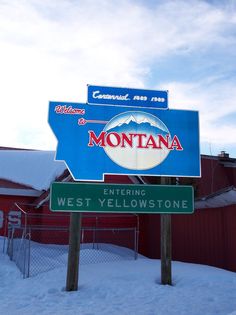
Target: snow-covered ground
(123,287)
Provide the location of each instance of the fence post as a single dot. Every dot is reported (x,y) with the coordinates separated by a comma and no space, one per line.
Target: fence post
(135,244)
(11,243)
(29,254)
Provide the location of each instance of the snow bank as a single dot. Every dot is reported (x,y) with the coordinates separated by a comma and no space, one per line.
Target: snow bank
(119,288)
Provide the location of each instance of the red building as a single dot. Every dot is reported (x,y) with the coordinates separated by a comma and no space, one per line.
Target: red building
(208,236)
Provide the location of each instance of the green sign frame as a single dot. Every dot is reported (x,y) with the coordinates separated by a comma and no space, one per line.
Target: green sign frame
(121,198)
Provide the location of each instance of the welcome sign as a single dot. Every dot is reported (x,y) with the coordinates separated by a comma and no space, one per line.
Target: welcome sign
(97,140)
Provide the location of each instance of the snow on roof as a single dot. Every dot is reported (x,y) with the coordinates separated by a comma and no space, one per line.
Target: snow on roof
(222,198)
(36,169)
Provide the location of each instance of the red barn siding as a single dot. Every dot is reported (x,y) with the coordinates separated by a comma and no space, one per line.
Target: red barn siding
(230,237)
(206,237)
(201,236)
(7,205)
(214,177)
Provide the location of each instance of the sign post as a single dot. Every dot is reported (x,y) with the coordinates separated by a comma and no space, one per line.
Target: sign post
(74,250)
(166,275)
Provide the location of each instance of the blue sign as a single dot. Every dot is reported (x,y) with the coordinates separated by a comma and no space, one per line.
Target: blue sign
(127,97)
(98,140)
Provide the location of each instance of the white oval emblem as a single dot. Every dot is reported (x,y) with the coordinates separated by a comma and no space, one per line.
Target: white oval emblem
(137,140)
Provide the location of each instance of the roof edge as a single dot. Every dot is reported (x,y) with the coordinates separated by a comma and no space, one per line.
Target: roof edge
(20,192)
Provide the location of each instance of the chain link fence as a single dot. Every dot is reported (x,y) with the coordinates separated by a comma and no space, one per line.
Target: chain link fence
(39,248)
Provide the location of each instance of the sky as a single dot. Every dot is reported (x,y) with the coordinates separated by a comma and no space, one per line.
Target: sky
(117,284)
(50,50)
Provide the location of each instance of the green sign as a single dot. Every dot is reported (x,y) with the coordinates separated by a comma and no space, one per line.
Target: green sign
(113,198)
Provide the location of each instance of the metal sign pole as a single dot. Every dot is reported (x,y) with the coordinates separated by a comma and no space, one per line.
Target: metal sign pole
(74,251)
(166,277)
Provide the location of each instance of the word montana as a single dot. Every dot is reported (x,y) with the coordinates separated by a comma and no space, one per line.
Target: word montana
(132,140)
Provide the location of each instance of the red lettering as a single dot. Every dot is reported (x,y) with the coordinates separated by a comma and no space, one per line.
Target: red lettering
(126,139)
(111,137)
(69,110)
(176,144)
(164,141)
(81,121)
(140,139)
(93,139)
(151,143)
(114,139)
(58,109)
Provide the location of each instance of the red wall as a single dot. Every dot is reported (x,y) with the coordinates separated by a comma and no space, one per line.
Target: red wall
(205,237)
(7,207)
(214,177)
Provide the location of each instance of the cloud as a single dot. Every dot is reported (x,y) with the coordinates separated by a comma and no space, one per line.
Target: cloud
(213,99)
(50,50)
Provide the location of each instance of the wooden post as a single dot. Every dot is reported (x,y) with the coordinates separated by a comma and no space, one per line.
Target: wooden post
(74,251)
(166,277)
